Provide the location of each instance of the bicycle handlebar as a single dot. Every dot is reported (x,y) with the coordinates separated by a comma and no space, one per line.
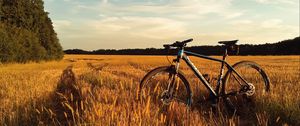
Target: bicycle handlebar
(178,44)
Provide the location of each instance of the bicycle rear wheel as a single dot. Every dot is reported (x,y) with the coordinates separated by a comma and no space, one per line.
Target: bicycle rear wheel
(243,103)
(154,94)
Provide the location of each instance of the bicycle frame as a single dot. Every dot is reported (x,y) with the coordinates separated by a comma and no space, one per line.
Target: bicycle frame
(182,54)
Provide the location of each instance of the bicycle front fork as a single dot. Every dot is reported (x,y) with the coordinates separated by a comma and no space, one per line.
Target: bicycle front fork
(174,73)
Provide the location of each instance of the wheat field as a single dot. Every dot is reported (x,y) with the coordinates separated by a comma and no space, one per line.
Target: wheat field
(102,90)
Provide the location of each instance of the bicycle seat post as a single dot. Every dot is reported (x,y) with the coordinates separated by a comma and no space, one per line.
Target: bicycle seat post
(225,54)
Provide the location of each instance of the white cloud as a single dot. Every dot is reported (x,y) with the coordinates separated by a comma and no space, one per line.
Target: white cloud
(104,1)
(272,23)
(241,22)
(143,27)
(120,32)
(270,30)
(148,24)
(60,24)
(278,1)
(177,8)
(234,15)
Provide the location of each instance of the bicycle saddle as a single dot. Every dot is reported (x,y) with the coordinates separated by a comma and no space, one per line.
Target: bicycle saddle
(228,43)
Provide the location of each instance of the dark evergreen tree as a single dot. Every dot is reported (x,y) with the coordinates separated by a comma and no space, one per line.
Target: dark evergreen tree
(7,45)
(1,13)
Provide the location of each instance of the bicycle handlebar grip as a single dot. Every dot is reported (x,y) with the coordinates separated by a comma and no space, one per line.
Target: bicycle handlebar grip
(188,40)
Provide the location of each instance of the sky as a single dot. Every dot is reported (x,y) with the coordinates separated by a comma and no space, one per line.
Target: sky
(119,24)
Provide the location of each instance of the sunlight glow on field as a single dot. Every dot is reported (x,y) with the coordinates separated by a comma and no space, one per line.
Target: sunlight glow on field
(33,93)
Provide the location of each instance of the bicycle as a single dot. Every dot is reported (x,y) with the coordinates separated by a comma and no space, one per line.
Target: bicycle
(167,87)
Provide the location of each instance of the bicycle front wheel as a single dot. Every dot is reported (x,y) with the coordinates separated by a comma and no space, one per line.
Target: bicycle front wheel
(240,98)
(156,97)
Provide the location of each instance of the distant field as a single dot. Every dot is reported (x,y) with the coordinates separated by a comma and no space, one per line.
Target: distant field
(106,88)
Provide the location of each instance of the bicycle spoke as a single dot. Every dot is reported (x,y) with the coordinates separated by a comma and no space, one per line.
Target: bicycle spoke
(179,100)
(256,86)
(236,79)
(168,92)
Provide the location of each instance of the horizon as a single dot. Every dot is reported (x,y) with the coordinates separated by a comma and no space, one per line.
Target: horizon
(115,24)
(171,43)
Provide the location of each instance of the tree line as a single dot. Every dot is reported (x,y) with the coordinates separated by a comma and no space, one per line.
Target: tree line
(286,47)
(26,32)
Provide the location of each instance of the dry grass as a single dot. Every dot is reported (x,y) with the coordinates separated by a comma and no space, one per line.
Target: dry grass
(101,90)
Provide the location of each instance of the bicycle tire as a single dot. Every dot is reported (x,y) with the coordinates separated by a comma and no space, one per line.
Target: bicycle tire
(236,104)
(169,70)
